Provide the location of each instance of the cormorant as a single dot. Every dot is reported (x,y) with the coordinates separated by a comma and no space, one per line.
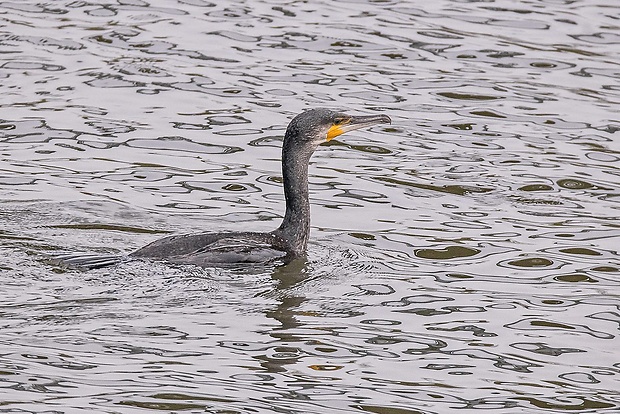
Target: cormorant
(303,135)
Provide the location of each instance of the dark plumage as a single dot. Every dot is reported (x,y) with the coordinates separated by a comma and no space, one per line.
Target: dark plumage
(303,135)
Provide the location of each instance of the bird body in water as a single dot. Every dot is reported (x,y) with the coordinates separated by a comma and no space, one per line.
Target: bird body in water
(303,135)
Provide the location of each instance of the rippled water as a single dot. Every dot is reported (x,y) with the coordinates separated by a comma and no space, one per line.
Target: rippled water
(464,257)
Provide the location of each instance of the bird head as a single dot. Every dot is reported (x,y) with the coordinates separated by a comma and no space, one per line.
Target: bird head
(317,126)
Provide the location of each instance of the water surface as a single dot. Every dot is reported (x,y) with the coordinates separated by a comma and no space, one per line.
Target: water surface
(463,258)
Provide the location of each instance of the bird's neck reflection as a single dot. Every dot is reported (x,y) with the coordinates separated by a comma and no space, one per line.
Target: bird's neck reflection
(289,277)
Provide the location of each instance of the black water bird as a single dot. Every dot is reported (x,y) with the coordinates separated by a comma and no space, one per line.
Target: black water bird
(303,135)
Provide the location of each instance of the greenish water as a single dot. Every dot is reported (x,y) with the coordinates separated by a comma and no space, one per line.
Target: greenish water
(463,258)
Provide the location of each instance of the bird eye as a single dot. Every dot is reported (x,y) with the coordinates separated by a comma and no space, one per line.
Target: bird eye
(339,121)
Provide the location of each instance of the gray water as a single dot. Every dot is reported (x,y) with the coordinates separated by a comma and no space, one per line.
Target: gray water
(463,258)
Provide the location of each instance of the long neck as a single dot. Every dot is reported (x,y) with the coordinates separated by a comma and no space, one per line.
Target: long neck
(295,227)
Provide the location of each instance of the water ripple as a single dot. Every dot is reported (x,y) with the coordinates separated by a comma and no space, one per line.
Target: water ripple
(463,257)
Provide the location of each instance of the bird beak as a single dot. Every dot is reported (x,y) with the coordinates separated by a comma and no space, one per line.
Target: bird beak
(356,122)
